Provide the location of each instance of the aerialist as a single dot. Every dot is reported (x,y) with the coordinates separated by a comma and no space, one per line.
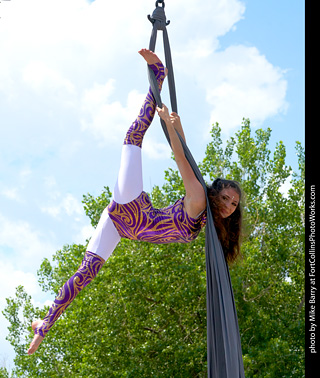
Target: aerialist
(178,223)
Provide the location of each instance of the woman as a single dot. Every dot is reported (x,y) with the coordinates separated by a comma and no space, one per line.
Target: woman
(131,215)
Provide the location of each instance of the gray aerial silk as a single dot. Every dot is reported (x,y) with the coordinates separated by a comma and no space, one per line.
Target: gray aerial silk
(224,355)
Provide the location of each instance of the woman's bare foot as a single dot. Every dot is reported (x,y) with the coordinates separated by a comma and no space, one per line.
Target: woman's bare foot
(37,338)
(151,57)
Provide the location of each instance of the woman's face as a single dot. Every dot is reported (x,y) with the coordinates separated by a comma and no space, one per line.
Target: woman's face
(229,198)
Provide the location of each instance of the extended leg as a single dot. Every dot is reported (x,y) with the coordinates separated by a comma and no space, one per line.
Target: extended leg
(129,183)
(105,237)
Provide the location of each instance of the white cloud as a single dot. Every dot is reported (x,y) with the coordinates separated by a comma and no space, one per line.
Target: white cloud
(50,182)
(102,116)
(238,82)
(23,243)
(25,174)
(246,85)
(205,17)
(71,205)
(92,40)
(44,80)
(15,193)
(108,120)
(12,194)
(51,188)
(155,150)
(12,278)
(68,205)
(62,39)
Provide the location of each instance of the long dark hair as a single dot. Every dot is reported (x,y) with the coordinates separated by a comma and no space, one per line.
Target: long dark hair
(228,229)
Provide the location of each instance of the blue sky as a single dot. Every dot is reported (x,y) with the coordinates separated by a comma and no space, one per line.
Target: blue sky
(71,82)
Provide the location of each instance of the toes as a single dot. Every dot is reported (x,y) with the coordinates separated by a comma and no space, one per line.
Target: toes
(35,344)
(32,348)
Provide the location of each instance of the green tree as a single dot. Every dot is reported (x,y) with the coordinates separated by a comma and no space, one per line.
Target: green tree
(4,372)
(145,313)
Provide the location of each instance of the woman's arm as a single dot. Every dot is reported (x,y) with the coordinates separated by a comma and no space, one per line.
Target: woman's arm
(195,199)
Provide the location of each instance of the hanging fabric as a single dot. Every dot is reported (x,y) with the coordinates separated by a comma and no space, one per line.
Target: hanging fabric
(224,355)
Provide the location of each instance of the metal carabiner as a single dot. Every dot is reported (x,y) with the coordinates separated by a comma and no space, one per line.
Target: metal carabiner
(158,14)
(160,1)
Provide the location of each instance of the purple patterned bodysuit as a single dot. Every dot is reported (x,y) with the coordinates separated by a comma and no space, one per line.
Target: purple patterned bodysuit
(139,220)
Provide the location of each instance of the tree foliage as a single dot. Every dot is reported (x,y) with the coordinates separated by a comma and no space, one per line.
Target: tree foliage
(4,372)
(145,313)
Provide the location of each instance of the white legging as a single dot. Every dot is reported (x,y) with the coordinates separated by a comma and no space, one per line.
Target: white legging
(129,186)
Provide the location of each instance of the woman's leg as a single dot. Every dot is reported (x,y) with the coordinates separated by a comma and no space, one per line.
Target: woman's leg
(129,184)
(89,268)
(105,237)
